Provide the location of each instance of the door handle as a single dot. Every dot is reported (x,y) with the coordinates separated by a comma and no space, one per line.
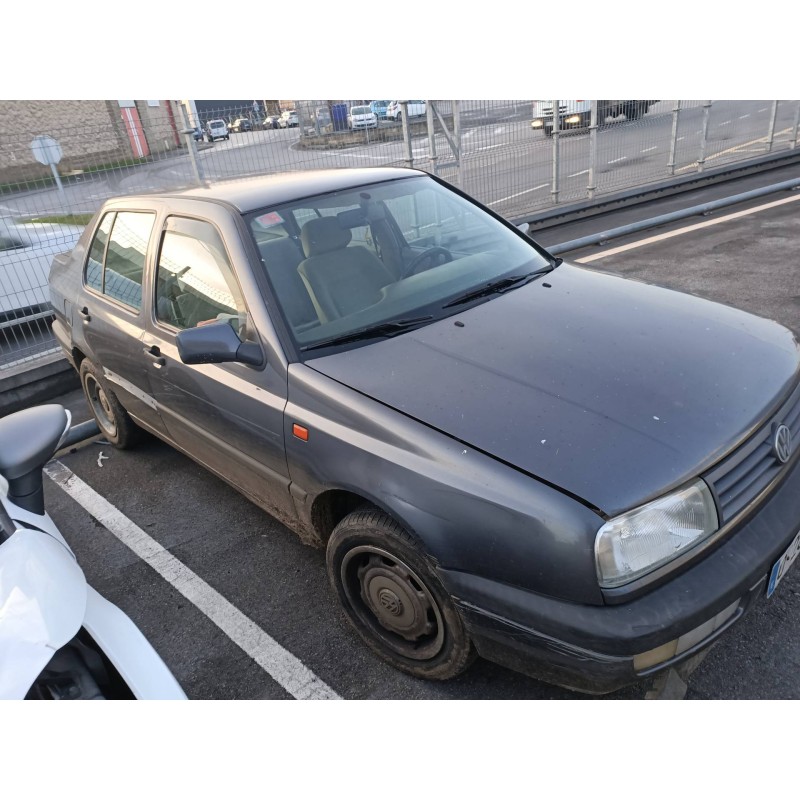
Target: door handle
(154,352)
(84,312)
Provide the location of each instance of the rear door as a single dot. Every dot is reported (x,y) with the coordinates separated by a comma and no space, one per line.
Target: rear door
(108,321)
(229,417)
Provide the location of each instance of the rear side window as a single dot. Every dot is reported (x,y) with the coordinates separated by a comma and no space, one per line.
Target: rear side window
(116,260)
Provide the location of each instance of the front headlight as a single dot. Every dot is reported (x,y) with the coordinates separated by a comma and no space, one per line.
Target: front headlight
(633,544)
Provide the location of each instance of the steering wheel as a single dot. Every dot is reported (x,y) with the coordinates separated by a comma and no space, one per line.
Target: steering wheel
(427,255)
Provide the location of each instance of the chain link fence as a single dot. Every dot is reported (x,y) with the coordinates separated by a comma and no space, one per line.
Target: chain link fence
(493,150)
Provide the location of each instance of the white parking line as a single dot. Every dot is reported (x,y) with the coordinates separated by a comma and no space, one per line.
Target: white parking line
(744,116)
(576,174)
(616,160)
(724,123)
(649,149)
(280,664)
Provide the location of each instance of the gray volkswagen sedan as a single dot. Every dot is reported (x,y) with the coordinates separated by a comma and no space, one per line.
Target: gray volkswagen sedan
(585,478)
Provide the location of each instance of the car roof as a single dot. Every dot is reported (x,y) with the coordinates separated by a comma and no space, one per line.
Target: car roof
(249,194)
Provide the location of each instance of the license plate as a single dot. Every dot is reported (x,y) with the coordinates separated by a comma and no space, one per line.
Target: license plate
(782,565)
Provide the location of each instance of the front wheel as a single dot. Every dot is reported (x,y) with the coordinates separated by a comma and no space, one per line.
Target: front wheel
(392,597)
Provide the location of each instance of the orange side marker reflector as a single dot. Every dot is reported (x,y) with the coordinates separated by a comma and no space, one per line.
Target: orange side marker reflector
(300,432)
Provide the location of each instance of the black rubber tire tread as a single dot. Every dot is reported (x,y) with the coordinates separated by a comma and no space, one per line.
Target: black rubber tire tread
(368,525)
(128,433)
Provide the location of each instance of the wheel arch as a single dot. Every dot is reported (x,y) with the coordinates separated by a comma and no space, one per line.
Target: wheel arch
(331,506)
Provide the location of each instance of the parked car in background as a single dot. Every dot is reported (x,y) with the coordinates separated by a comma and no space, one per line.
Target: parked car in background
(241,125)
(576,475)
(217,129)
(288,119)
(26,252)
(379,108)
(361,117)
(416,108)
(197,134)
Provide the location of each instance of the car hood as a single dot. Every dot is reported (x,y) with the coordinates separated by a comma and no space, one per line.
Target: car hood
(613,390)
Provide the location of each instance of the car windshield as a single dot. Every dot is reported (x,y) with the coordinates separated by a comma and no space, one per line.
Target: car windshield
(360,110)
(384,253)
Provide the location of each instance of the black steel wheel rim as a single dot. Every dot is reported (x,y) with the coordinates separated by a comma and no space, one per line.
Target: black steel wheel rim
(391,600)
(101,406)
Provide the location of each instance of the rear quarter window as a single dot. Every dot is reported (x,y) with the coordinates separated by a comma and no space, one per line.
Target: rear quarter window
(115,265)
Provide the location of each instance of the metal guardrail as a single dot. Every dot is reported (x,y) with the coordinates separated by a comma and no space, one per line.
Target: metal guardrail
(674,216)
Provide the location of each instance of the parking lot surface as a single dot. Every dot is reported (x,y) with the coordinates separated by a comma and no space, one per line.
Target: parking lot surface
(281,617)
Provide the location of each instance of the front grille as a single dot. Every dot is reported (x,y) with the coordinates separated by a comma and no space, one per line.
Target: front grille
(741,477)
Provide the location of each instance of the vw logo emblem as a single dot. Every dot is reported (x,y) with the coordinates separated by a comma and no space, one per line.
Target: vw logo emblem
(782,443)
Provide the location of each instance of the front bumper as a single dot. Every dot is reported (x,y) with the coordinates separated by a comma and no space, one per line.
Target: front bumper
(592,648)
(565,123)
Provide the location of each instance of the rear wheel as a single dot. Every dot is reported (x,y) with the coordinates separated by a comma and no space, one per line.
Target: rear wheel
(392,597)
(112,419)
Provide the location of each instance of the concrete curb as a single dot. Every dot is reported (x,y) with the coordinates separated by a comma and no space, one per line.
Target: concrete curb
(30,383)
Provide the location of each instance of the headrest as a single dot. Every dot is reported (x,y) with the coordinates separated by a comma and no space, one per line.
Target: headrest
(322,235)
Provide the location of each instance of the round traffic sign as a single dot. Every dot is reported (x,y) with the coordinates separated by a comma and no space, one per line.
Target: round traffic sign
(46,150)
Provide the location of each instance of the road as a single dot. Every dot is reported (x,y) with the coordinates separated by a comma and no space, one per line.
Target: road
(254,587)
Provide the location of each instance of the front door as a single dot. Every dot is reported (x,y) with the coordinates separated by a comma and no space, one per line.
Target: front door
(229,417)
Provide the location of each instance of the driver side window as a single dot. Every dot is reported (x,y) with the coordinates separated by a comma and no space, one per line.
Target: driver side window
(195,284)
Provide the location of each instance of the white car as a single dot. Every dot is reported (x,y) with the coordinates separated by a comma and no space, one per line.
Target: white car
(25,255)
(289,119)
(416,108)
(361,117)
(217,129)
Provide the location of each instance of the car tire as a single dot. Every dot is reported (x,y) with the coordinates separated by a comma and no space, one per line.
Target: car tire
(393,598)
(112,419)
(227,138)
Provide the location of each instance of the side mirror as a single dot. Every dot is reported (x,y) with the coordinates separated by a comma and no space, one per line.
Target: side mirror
(216,344)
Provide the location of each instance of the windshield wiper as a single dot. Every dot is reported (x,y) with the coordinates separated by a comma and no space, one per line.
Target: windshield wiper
(498,286)
(380,329)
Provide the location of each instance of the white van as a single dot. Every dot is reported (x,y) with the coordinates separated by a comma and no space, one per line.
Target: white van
(578,113)
(416,108)
(217,129)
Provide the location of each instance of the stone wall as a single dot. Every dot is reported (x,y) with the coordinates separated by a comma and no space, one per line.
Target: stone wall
(91,134)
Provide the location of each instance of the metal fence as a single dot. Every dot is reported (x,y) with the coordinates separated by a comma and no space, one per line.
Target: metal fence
(488,148)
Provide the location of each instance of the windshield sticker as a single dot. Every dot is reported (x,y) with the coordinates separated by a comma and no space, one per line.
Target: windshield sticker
(273,218)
